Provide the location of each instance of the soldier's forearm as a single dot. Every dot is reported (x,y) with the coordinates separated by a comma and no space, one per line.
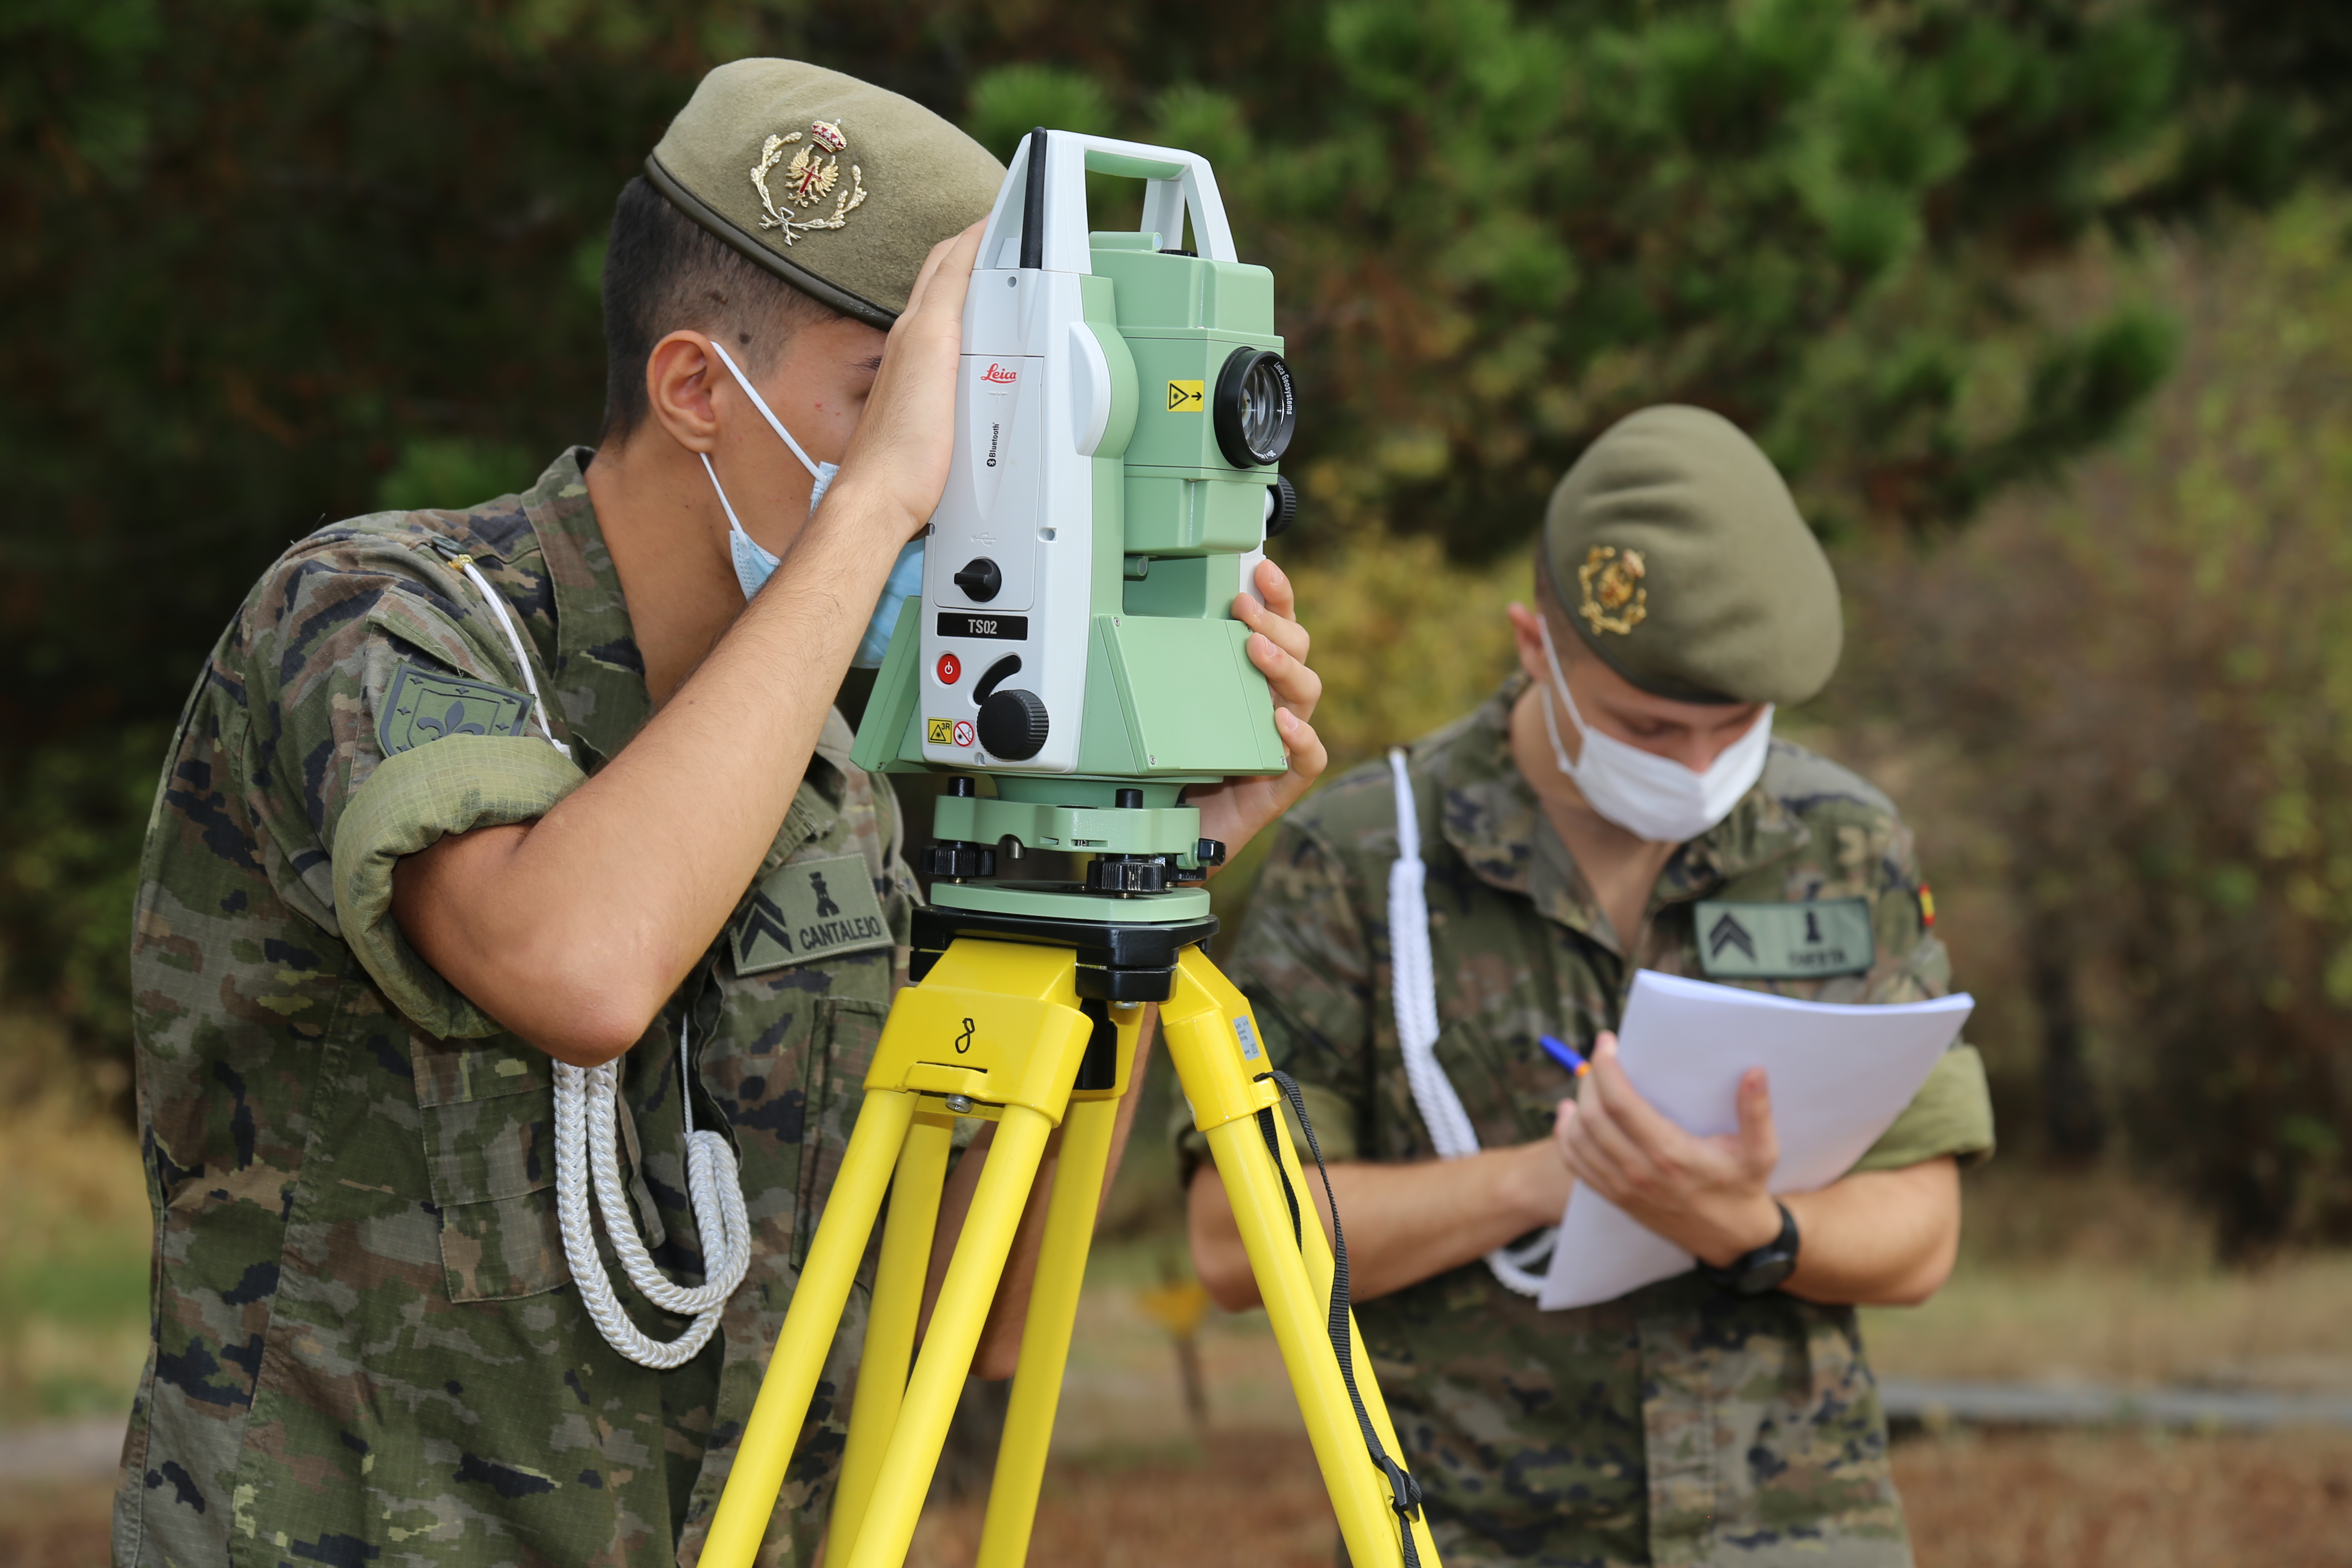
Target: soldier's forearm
(574,930)
(1405,1222)
(1879,1238)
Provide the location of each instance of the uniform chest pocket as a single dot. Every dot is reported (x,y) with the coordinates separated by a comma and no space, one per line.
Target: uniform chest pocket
(488,1122)
(841,1051)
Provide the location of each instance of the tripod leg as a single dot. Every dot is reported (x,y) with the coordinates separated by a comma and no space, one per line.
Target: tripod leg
(956,1322)
(891,1327)
(1320,1271)
(749,1499)
(1046,1336)
(1213,1041)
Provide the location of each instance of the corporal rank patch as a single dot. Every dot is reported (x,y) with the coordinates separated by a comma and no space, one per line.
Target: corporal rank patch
(808,910)
(1784,941)
(422,707)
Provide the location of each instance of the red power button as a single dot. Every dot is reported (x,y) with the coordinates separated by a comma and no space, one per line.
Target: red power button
(950,669)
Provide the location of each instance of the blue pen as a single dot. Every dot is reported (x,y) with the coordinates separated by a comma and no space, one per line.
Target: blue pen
(1564,1054)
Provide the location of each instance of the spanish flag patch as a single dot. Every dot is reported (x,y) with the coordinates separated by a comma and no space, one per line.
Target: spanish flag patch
(1926,908)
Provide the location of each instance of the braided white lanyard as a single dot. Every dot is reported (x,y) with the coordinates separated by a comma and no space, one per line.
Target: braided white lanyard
(1413,988)
(587,1114)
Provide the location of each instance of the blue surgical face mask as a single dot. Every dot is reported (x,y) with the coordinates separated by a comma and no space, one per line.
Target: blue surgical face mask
(755,564)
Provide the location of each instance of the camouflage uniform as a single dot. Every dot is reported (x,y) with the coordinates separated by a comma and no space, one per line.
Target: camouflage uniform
(367,1345)
(1680,1424)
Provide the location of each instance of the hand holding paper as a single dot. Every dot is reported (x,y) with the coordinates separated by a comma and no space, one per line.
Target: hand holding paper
(1839,1077)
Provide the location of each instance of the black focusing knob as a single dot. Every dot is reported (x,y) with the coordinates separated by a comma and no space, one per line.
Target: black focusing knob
(1012,724)
(1286,506)
(1209,852)
(1130,799)
(980,580)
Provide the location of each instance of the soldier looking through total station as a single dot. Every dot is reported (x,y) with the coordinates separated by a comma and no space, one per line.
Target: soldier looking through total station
(496,842)
(1619,804)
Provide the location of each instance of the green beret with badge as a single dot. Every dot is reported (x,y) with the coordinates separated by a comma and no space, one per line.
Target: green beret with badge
(1677,554)
(837,186)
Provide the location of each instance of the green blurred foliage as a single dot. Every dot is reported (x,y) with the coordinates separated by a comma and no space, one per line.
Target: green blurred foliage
(264,262)
(2142,691)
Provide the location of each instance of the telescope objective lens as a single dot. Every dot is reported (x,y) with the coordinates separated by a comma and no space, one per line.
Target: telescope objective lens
(1257,409)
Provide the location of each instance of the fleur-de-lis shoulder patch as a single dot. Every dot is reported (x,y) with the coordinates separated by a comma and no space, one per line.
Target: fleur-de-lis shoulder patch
(422,707)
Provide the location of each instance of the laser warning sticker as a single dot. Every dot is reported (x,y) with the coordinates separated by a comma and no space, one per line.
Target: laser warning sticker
(809,910)
(938,731)
(1185,397)
(1784,941)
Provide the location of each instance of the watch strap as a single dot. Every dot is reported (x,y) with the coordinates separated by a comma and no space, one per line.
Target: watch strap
(1764,1268)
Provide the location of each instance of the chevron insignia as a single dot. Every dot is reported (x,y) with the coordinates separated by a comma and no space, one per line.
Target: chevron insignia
(1810,941)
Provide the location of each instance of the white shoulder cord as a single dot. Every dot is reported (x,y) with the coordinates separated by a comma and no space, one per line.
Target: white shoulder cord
(1414,989)
(530,682)
(586,1102)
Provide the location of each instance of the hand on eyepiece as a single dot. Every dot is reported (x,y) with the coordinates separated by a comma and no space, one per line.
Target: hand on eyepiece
(898,459)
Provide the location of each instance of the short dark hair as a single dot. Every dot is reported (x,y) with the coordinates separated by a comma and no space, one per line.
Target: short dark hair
(663,271)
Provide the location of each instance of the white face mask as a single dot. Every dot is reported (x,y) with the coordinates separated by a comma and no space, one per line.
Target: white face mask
(1648,795)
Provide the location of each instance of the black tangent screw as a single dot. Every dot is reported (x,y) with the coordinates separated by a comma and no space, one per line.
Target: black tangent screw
(1130,799)
(1210,852)
(960,787)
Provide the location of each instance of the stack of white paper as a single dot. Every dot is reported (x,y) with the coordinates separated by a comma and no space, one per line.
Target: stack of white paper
(1840,1077)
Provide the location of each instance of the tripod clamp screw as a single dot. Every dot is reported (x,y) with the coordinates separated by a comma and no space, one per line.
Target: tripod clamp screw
(960,1104)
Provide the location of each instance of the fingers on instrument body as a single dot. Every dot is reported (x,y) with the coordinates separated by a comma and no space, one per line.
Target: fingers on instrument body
(945,256)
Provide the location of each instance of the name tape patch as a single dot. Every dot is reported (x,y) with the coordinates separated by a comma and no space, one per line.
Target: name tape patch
(1784,941)
(809,910)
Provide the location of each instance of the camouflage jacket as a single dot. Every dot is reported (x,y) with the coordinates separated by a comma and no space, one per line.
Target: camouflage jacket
(367,1345)
(1679,1424)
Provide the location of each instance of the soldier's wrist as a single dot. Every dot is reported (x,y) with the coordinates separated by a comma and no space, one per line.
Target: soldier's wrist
(1755,1224)
(1538,1184)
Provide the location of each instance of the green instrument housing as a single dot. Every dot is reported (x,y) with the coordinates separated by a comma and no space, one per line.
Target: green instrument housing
(1171,696)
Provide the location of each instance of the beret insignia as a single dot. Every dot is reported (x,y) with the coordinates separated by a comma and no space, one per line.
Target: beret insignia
(1614,599)
(813,174)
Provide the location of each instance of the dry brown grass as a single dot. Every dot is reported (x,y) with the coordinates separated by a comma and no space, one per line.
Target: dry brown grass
(2093,1500)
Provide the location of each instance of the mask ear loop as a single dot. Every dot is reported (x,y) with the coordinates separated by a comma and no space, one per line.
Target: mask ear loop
(1551,725)
(766,413)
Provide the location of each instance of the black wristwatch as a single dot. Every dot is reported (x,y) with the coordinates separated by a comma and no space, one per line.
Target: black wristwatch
(1753,1273)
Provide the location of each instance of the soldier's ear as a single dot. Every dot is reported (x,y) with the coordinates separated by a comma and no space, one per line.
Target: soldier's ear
(1526,638)
(681,374)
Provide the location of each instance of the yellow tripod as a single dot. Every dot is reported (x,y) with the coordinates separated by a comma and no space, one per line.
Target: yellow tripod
(1029,1033)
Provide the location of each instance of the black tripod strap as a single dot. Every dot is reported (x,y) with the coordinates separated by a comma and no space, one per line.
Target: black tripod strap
(1404,1492)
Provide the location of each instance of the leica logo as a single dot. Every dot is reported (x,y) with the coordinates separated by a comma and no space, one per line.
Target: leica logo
(999,375)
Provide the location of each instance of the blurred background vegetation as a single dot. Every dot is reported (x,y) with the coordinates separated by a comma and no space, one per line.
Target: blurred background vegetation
(2043,307)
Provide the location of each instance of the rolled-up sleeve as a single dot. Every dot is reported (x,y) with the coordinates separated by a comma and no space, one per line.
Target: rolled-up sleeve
(409,802)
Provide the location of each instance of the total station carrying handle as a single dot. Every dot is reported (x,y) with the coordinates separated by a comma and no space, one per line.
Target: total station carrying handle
(1040,218)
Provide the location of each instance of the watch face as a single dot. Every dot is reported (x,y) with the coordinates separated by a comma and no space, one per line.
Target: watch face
(1766,1272)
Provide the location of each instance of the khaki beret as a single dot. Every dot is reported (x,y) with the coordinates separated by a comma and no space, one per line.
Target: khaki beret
(1674,549)
(837,187)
